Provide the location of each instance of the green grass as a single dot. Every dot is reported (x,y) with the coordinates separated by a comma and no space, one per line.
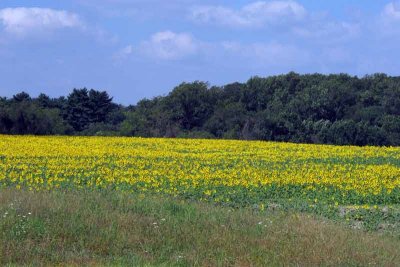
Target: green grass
(121,229)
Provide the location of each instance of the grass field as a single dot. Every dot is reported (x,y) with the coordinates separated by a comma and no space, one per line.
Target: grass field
(125,229)
(124,201)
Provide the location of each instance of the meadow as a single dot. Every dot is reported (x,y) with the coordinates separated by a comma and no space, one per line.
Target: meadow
(355,188)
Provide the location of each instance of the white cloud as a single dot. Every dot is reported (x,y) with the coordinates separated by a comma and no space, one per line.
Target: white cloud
(392,11)
(168,45)
(123,52)
(256,14)
(389,21)
(22,21)
(328,31)
(127,50)
(287,16)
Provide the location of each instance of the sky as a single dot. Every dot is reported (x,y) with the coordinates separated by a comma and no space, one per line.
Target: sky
(137,49)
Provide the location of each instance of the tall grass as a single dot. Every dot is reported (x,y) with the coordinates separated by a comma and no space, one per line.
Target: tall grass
(121,229)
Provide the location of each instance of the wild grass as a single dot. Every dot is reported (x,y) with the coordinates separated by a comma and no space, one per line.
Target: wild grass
(109,228)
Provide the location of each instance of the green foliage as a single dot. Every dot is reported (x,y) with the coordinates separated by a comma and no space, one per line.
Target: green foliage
(26,117)
(190,105)
(77,111)
(21,97)
(312,108)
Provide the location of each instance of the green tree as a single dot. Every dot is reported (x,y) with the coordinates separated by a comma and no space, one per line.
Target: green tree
(78,109)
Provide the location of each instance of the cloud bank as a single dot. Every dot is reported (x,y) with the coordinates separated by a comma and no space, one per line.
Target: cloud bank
(168,45)
(22,21)
(256,14)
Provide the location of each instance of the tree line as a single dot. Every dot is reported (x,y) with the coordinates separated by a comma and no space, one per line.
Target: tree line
(312,108)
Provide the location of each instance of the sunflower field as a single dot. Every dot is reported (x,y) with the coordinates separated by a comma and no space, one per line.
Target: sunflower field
(238,173)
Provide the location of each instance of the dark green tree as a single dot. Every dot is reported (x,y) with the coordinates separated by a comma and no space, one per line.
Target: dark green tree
(78,109)
(20,97)
(100,104)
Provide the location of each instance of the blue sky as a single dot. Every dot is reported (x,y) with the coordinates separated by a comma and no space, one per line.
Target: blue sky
(143,48)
